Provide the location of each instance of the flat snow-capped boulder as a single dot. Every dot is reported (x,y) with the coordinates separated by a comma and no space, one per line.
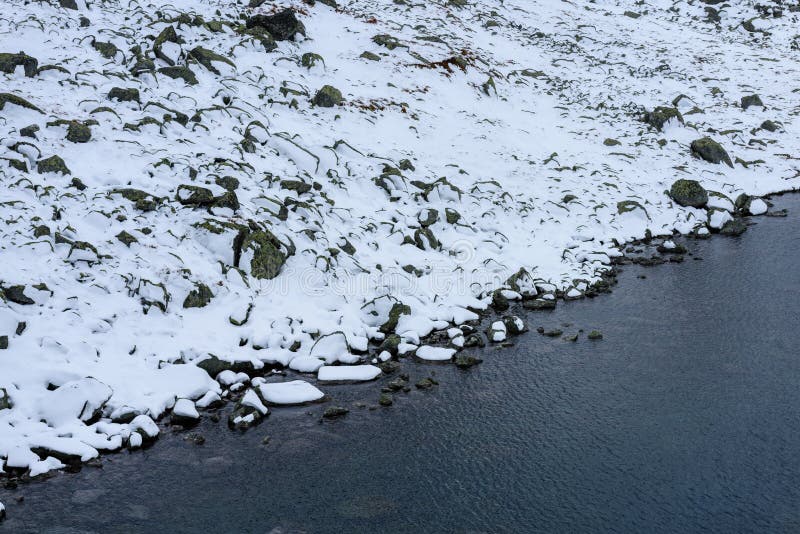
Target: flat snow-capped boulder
(348,373)
(289,393)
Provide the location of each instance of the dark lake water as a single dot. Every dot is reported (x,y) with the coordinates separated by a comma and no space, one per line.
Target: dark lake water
(685,418)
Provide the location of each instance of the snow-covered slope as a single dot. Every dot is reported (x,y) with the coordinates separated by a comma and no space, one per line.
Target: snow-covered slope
(172,207)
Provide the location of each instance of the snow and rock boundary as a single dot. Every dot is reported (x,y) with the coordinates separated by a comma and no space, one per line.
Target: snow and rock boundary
(187,194)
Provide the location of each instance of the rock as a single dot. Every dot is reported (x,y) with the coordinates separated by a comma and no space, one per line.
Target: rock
(29,131)
(16,294)
(327,97)
(229,183)
(126,238)
(426,383)
(9,98)
(10,62)
(709,150)
(266,258)
(688,193)
(78,132)
(207,58)
(184,413)
(228,200)
(194,196)
(539,304)
(769,126)
(595,334)
(184,73)
(389,367)
(124,95)
(370,56)
(299,186)
(282,25)
(499,301)
(198,297)
(514,325)
(391,343)
(386,40)
(554,332)
(335,411)
(52,164)
(465,361)
(247,412)
(398,309)
(751,100)
(661,115)
(452,216)
(68,4)
(428,217)
(732,228)
(5,400)
(385,399)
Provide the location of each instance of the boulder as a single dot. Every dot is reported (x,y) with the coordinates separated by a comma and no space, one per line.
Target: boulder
(709,150)
(282,26)
(688,193)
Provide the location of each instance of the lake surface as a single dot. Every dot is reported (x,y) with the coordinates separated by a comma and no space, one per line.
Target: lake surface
(685,418)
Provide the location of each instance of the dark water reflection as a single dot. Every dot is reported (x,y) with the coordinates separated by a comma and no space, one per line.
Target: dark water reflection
(685,418)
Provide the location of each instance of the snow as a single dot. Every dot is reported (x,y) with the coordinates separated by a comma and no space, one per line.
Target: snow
(521,160)
(185,408)
(251,399)
(287,393)
(348,373)
(436,354)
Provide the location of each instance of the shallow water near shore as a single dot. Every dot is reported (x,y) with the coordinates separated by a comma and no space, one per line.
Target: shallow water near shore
(685,417)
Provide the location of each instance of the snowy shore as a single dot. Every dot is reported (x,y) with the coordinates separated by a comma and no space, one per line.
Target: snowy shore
(194,194)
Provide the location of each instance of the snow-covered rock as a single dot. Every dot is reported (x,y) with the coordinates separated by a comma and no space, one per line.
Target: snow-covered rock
(348,373)
(288,393)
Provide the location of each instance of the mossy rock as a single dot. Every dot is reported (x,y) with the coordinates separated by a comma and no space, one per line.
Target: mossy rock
(426,383)
(180,72)
(267,258)
(107,50)
(386,40)
(9,98)
(595,335)
(68,4)
(709,150)
(229,183)
(688,193)
(41,230)
(261,35)
(390,344)
(611,142)
(52,164)
(5,400)
(228,199)
(334,412)
(167,35)
(627,206)
(499,301)
(10,62)
(428,217)
(661,115)
(398,309)
(452,216)
(298,186)
(198,297)
(282,25)
(751,100)
(126,238)
(29,131)
(207,58)
(465,361)
(769,126)
(78,132)
(327,97)
(370,56)
(124,95)
(733,228)
(385,399)
(194,196)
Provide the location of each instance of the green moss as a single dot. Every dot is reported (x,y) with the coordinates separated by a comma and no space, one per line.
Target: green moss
(78,132)
(296,185)
(626,206)
(751,100)
(228,199)
(428,217)
(452,216)
(41,230)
